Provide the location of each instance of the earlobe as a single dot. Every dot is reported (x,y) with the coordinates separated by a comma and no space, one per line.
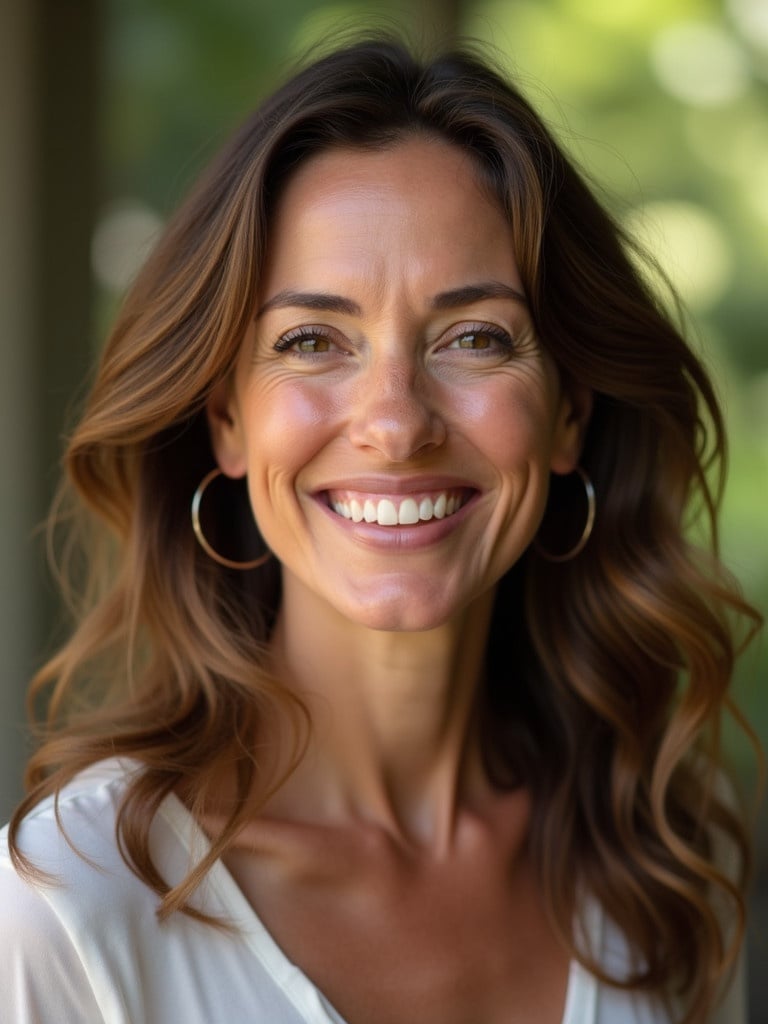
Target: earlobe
(572,421)
(226,430)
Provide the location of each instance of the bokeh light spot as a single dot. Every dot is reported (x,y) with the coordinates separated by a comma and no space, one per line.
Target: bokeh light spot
(121,242)
(751,19)
(700,64)
(690,246)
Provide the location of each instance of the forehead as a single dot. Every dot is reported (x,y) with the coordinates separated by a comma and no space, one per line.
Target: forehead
(398,169)
(419,201)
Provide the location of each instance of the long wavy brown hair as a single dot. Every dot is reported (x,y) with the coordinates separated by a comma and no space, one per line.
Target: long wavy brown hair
(606,700)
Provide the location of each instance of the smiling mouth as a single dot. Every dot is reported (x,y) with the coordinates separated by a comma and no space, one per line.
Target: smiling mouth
(398,511)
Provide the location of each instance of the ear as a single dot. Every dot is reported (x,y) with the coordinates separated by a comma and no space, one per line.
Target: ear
(226,430)
(573,415)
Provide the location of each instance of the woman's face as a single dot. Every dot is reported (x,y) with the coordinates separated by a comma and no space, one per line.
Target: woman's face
(394,412)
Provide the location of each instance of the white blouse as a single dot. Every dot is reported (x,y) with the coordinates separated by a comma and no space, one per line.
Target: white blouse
(89,949)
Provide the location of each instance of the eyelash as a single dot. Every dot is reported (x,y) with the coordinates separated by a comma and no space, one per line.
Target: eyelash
(288,341)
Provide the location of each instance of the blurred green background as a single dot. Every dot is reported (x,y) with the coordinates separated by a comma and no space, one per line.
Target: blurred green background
(112,108)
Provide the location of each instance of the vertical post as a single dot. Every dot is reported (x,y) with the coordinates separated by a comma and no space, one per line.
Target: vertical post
(49,79)
(19,429)
(69,87)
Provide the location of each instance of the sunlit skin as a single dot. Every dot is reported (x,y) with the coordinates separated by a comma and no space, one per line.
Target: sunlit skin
(392,357)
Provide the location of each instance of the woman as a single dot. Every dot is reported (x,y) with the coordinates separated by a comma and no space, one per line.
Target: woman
(442,745)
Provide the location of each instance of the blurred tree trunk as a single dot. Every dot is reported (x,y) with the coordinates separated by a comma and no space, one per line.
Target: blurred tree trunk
(69,88)
(19,427)
(50,83)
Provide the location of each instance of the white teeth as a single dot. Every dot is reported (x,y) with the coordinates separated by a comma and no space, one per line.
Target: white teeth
(409,512)
(386,513)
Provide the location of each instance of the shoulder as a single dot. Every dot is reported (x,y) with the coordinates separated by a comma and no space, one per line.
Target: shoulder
(626,1006)
(602,938)
(79,871)
(52,922)
(83,816)
(88,946)
(43,976)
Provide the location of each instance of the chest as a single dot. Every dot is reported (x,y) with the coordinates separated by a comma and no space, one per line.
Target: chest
(455,943)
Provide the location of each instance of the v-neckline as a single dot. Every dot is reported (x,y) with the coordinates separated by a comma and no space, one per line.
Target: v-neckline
(581,991)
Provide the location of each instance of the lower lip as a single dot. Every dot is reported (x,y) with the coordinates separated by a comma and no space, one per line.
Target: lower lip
(419,535)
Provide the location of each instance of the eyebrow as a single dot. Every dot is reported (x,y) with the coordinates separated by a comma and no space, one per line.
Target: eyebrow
(475,293)
(310,300)
(323,302)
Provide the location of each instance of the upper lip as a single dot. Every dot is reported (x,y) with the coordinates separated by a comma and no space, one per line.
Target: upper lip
(397,485)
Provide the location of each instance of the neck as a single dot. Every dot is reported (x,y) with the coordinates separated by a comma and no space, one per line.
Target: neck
(393,718)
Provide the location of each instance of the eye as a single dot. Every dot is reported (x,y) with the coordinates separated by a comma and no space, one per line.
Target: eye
(474,340)
(480,338)
(306,340)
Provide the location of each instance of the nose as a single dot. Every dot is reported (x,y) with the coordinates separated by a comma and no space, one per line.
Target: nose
(395,411)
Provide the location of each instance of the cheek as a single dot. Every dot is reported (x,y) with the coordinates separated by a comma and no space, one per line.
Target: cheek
(286,424)
(510,422)
(283,421)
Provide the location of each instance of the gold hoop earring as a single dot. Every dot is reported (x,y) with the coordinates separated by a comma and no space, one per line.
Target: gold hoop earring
(589,523)
(197,498)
